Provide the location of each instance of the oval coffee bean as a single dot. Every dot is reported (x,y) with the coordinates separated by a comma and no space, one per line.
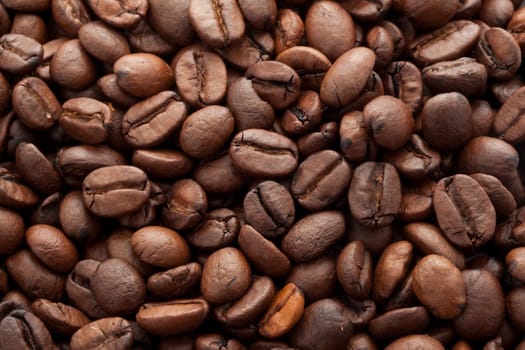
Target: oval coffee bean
(21,329)
(399,322)
(86,120)
(313,235)
(220,229)
(501,198)
(123,14)
(509,119)
(72,67)
(418,341)
(186,205)
(316,278)
(114,191)
(439,286)
(77,288)
(160,246)
(110,332)
(261,153)
(60,318)
(499,52)
(233,280)
(354,270)
(175,282)
(12,232)
(19,54)
(37,169)
(103,42)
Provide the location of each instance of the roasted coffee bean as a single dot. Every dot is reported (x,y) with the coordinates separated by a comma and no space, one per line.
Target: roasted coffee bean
(13,192)
(11,232)
(440,286)
(496,13)
(458,202)
(113,332)
(77,288)
(380,41)
(253,47)
(336,91)
(275,83)
(160,246)
(103,42)
(399,322)
(431,14)
(172,317)
(318,140)
(501,198)
(321,180)
(70,15)
(143,74)
(305,115)
(283,313)
(259,14)
(310,64)
(288,30)
(37,169)
(171,20)
(21,329)
(354,270)
(499,52)
(316,278)
(423,342)
(186,205)
(19,54)
(72,67)
(114,191)
(175,282)
(261,153)
(356,143)
(232,282)
(86,119)
(120,14)
(375,194)
(60,318)
(402,79)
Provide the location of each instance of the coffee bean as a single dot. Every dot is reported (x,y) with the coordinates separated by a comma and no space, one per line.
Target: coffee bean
(103,42)
(499,52)
(396,323)
(216,342)
(21,329)
(440,286)
(402,79)
(501,198)
(305,115)
(259,14)
(70,15)
(288,31)
(77,288)
(114,332)
(171,20)
(175,282)
(325,137)
(60,318)
(86,120)
(186,205)
(234,279)
(354,270)
(13,192)
(218,175)
(72,67)
(19,54)
(12,232)
(361,341)
(118,245)
(424,342)
(283,313)
(159,246)
(309,63)
(120,14)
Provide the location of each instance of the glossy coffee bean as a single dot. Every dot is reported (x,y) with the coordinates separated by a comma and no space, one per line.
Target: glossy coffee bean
(19,54)
(423,342)
(186,205)
(114,332)
(316,278)
(72,67)
(12,232)
(60,318)
(499,52)
(21,329)
(86,120)
(354,270)
(120,14)
(175,282)
(283,313)
(159,246)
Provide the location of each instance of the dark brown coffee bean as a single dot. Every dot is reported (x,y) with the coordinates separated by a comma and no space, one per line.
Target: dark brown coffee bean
(404,295)
(78,291)
(5,94)
(499,52)
(431,240)
(326,324)
(60,318)
(356,143)
(30,25)
(431,14)
(218,175)
(275,83)
(248,109)
(313,235)
(117,287)
(337,91)
(13,192)
(217,23)
(21,329)
(496,13)
(485,306)
(391,269)
(109,332)
(259,14)
(75,162)
(416,201)
(305,115)
(400,322)
(510,233)
(450,133)
(37,169)
(284,312)
(310,64)
(501,198)
(402,79)
(162,163)
(220,229)
(171,20)
(175,282)
(143,74)
(454,40)
(86,119)
(19,54)
(316,278)
(103,42)
(204,132)
(71,66)
(250,306)
(118,245)
(262,253)
(216,341)
(151,121)
(375,194)
(41,283)
(172,317)
(324,138)
(419,341)
(439,286)
(142,38)
(186,205)
(120,14)
(320,180)
(110,88)
(508,121)
(11,232)
(27,5)
(458,202)
(365,11)
(288,30)
(354,270)
(70,15)
(502,90)
(329,29)
(253,47)
(160,246)
(234,279)
(262,153)
(200,78)
(515,271)
(76,221)
(487,263)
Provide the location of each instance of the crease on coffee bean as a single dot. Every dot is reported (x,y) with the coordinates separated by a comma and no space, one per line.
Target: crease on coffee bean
(219,16)
(467,221)
(495,62)
(200,76)
(42,102)
(26,329)
(314,184)
(131,125)
(278,223)
(258,148)
(73,8)
(7,46)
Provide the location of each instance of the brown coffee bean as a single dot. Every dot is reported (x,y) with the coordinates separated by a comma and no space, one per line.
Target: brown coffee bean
(439,286)
(175,282)
(71,66)
(354,270)
(421,342)
(508,122)
(483,293)
(77,288)
(400,322)
(366,11)
(162,163)
(219,230)
(284,312)
(253,47)
(114,191)
(305,115)
(262,153)
(324,138)
(234,279)
(430,15)
(86,119)
(160,246)
(11,231)
(143,74)
(381,42)
(204,132)
(259,14)
(60,318)
(402,79)
(458,202)
(120,14)
(37,169)
(391,269)
(329,29)
(76,221)
(356,143)
(216,341)
(103,42)
(117,287)
(13,192)
(111,332)
(320,180)
(171,20)
(217,24)
(262,253)
(336,91)
(201,78)
(309,63)
(288,30)
(21,329)
(501,198)
(70,15)
(186,205)
(499,52)
(41,282)
(275,83)
(19,54)
(375,194)
(316,278)
(361,341)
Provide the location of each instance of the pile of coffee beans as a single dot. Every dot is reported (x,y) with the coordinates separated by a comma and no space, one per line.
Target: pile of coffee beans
(262,174)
